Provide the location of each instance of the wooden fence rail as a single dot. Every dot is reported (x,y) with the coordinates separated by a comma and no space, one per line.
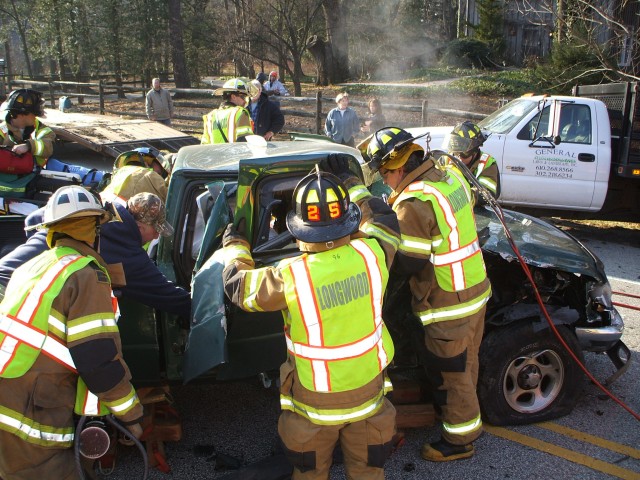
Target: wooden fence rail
(105,93)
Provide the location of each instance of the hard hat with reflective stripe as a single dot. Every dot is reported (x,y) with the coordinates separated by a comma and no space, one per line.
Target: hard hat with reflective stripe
(240,86)
(24,100)
(323,211)
(144,157)
(386,145)
(464,138)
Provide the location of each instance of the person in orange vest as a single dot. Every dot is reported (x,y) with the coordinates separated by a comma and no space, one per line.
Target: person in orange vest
(333,383)
(60,349)
(439,252)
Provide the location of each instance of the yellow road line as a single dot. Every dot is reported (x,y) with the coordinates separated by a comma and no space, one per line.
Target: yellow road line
(561,452)
(586,437)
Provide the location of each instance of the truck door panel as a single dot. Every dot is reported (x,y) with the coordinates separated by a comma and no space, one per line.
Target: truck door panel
(545,174)
(256,340)
(206,344)
(140,341)
(224,341)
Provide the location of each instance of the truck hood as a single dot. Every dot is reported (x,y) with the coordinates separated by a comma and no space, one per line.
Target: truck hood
(540,243)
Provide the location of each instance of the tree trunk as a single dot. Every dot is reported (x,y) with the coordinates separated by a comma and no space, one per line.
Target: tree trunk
(8,61)
(23,38)
(297,75)
(318,48)
(449,14)
(180,72)
(62,63)
(560,26)
(336,16)
(116,48)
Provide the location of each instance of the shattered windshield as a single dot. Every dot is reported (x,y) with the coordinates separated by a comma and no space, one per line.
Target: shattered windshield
(507,117)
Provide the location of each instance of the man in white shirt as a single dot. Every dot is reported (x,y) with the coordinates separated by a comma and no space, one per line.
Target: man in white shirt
(273,86)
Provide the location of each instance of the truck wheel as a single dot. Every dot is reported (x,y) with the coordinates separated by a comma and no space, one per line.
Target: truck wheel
(527,376)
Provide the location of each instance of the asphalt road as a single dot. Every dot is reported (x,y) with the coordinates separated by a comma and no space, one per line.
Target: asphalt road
(598,440)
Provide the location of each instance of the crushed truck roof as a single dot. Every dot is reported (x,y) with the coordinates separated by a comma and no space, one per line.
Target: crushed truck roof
(111,135)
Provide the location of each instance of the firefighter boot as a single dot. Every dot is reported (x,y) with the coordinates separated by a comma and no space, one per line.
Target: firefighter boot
(443,451)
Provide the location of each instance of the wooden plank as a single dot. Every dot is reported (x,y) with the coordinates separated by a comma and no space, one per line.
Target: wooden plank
(408,398)
(102,133)
(406,391)
(415,416)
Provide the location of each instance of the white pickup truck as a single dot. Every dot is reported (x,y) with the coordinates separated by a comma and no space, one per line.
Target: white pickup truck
(565,152)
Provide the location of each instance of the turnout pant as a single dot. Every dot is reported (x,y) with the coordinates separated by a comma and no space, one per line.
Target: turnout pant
(452,369)
(365,444)
(20,460)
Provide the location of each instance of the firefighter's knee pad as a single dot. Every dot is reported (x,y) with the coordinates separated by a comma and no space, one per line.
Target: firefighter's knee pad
(303,461)
(298,435)
(435,366)
(455,364)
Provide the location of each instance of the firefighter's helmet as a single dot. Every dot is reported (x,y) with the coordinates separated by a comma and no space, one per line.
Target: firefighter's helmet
(464,139)
(384,145)
(25,100)
(240,86)
(143,157)
(72,201)
(323,211)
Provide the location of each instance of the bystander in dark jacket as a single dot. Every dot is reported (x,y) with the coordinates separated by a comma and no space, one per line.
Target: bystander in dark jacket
(267,118)
(120,242)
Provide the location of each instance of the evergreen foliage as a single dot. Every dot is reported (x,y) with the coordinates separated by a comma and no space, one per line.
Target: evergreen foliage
(569,64)
(466,53)
(491,26)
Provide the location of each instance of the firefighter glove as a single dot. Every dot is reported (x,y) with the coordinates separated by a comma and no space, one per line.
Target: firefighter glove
(338,164)
(231,236)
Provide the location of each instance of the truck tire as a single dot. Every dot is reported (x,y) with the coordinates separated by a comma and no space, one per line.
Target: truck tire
(527,376)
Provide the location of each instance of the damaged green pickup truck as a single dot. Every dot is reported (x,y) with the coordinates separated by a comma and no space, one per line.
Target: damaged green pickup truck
(525,373)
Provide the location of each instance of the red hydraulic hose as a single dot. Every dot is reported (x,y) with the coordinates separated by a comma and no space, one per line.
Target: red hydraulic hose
(527,272)
(500,214)
(623,294)
(625,306)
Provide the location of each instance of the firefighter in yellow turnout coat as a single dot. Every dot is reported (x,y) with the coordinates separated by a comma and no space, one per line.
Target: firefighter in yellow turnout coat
(440,252)
(464,142)
(333,382)
(22,130)
(59,346)
(231,121)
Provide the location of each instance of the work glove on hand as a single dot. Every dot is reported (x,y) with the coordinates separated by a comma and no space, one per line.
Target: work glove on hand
(231,236)
(338,164)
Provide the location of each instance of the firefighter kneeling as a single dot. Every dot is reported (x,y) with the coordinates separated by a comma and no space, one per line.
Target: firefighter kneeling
(333,382)
(59,345)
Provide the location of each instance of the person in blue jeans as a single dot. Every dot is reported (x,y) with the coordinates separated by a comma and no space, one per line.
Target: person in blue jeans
(342,122)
